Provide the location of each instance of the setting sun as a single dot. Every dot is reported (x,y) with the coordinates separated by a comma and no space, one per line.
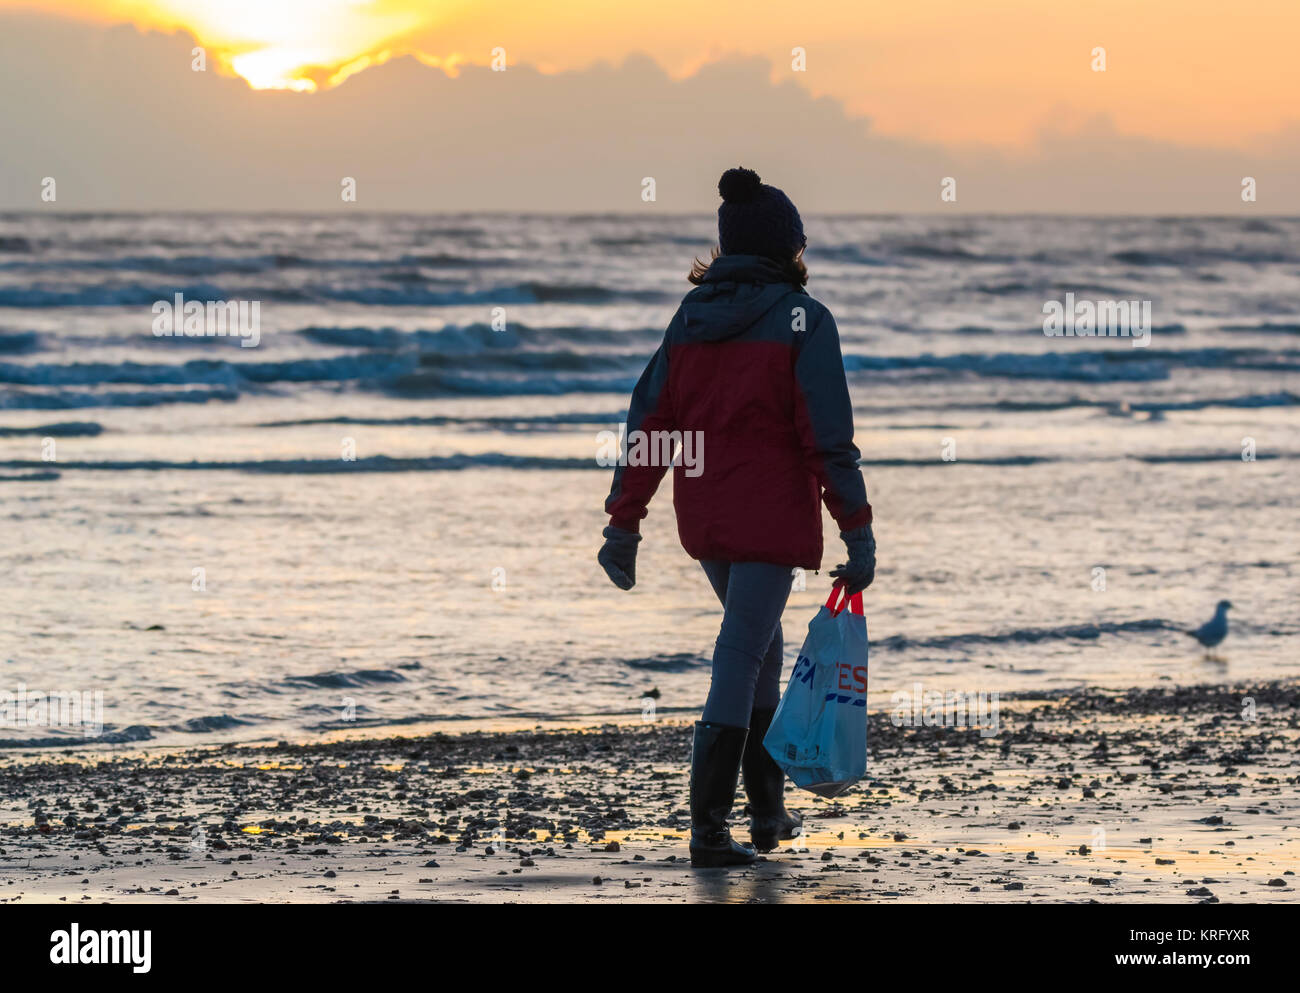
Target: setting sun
(278,44)
(293,44)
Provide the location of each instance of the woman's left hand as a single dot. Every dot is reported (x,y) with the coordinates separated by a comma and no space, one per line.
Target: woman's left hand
(618,556)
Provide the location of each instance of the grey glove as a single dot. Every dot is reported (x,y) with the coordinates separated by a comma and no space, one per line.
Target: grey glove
(618,556)
(856,575)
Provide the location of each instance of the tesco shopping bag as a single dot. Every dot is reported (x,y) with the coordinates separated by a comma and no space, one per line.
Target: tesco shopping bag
(819,732)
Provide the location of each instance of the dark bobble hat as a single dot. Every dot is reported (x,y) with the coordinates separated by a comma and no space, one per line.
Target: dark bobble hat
(757,219)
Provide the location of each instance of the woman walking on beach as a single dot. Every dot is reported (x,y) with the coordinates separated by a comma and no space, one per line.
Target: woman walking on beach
(751,366)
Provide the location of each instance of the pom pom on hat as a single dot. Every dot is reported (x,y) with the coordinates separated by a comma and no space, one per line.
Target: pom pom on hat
(739,185)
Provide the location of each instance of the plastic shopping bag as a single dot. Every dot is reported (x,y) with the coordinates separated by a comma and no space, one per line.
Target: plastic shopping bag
(819,732)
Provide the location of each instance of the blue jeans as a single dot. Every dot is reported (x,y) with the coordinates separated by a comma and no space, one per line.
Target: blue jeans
(747,656)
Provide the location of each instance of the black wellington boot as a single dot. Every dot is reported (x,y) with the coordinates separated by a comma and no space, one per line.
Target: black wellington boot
(769,821)
(715,765)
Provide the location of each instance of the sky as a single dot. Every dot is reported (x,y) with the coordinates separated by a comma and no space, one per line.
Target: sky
(1008,94)
(948,71)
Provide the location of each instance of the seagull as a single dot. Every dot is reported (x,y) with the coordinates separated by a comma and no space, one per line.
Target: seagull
(1213,631)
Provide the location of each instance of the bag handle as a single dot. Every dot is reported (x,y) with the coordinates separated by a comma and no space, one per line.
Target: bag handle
(854,602)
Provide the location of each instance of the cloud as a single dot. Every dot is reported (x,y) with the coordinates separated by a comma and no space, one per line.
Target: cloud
(121,121)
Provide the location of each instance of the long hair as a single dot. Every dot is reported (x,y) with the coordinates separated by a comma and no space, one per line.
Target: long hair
(795,270)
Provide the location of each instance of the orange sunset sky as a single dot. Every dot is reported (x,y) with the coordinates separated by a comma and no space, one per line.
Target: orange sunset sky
(949,72)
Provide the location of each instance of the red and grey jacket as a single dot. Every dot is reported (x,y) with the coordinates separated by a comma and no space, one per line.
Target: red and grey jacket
(753,364)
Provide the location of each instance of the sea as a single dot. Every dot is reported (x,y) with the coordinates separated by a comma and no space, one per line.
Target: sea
(384,513)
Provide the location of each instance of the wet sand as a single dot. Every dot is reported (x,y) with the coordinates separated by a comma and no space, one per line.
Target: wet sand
(1171,795)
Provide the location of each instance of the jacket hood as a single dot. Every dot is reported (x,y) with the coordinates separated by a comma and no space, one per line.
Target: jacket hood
(737,291)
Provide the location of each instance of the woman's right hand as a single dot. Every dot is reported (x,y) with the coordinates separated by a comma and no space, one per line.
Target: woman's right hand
(857,574)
